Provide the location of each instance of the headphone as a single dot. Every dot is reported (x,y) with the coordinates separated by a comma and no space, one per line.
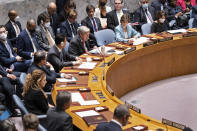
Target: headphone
(62,43)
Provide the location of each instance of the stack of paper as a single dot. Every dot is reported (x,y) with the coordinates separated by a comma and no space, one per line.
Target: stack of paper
(87,65)
(177,31)
(76,97)
(140,40)
(87,113)
(67,80)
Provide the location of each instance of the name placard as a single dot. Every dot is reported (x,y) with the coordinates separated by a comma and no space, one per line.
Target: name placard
(134,108)
(111,61)
(173,124)
(148,44)
(109,89)
(129,50)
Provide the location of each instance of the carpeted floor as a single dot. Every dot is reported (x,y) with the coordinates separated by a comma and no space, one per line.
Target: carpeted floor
(174,99)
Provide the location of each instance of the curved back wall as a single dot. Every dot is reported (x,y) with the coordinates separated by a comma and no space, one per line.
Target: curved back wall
(31,8)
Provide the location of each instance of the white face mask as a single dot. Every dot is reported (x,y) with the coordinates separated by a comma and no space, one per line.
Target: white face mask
(3,36)
(161,20)
(145,6)
(17,18)
(47,24)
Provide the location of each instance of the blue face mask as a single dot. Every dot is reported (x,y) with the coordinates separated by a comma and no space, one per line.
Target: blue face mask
(145,6)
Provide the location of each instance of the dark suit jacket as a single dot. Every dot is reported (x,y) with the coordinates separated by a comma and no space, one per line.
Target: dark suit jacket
(62,16)
(35,102)
(24,45)
(11,31)
(42,38)
(66,29)
(194,15)
(54,57)
(60,5)
(3,71)
(76,48)
(5,55)
(139,15)
(87,22)
(156,4)
(112,19)
(172,11)
(50,75)
(53,21)
(158,28)
(111,126)
(58,121)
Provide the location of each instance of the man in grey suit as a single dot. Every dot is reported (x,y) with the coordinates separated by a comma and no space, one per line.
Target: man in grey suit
(44,32)
(57,118)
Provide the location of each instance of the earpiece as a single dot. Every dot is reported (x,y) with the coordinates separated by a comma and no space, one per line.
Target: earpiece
(62,43)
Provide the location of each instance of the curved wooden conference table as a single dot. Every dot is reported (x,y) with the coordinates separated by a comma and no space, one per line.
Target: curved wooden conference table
(130,71)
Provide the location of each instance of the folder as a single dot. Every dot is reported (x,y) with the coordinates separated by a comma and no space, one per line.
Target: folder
(90,120)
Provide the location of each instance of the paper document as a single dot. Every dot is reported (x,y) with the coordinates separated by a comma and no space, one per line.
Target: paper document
(177,31)
(87,65)
(88,103)
(67,80)
(138,128)
(140,40)
(87,113)
(76,96)
(98,50)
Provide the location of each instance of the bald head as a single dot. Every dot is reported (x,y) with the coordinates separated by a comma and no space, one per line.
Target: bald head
(31,25)
(51,8)
(12,14)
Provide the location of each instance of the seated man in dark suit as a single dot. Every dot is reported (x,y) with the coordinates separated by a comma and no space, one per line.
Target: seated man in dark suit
(27,43)
(8,57)
(173,12)
(44,33)
(57,118)
(80,44)
(120,118)
(7,80)
(13,26)
(91,22)
(51,11)
(113,17)
(159,5)
(144,14)
(69,26)
(57,55)
(40,62)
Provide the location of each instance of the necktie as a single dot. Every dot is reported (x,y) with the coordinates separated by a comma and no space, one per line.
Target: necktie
(10,52)
(61,56)
(85,48)
(49,38)
(149,15)
(34,41)
(73,30)
(9,49)
(17,29)
(94,25)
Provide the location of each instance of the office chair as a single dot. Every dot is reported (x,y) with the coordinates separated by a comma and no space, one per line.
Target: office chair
(190,22)
(146,28)
(19,103)
(104,37)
